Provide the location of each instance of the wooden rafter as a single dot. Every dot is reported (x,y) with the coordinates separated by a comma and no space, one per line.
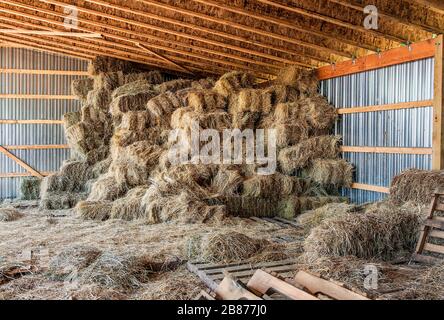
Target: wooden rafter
(143,57)
(332,20)
(148,17)
(265,18)
(51,33)
(435,5)
(360,7)
(130,35)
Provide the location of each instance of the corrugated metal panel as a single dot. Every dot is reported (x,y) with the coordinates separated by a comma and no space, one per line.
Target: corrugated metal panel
(397,128)
(30,109)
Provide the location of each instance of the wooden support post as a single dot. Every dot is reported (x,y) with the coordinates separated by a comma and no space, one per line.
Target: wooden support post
(438,113)
(21,163)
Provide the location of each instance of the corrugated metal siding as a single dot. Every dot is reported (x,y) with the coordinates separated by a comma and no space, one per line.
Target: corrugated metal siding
(32,109)
(397,128)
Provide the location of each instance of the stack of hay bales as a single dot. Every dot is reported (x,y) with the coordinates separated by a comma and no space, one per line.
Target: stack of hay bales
(136,180)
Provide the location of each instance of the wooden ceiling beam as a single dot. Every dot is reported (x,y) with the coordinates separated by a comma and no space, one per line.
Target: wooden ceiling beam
(239,26)
(149,16)
(27,44)
(51,33)
(360,7)
(332,20)
(435,5)
(130,34)
(276,21)
(132,41)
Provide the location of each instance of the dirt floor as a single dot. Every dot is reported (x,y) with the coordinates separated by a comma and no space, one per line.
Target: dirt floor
(141,261)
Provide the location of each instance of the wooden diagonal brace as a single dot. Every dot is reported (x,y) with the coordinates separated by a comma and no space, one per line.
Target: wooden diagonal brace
(21,163)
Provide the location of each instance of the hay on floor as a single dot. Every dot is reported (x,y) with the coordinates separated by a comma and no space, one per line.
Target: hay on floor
(9,215)
(129,207)
(94,210)
(382,231)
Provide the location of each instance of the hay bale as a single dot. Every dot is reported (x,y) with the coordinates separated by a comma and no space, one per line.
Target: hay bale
(273,186)
(283,94)
(133,101)
(301,155)
(123,138)
(99,98)
(9,215)
(30,188)
(101,167)
(304,80)
(292,206)
(252,100)
(338,173)
(233,82)
(132,88)
(130,206)
(206,101)
(82,132)
(94,210)
(71,118)
(288,134)
(136,121)
(81,87)
(102,64)
(106,188)
(143,153)
(203,84)
(91,115)
(227,247)
(246,120)
(184,118)
(381,231)
(227,182)
(162,107)
(152,77)
(314,218)
(417,186)
(174,85)
(320,114)
(61,200)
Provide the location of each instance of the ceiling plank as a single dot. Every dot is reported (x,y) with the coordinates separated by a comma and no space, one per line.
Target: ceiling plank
(51,33)
(265,18)
(332,20)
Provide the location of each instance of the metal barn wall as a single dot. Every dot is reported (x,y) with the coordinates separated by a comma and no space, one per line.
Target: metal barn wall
(46,160)
(407,82)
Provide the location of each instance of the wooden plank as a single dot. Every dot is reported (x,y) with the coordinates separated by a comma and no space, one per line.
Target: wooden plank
(385,107)
(436,234)
(210,283)
(230,290)
(317,285)
(263,282)
(20,162)
(38,147)
(7,121)
(434,248)
(417,51)
(210,266)
(438,107)
(38,96)
(250,272)
(22,174)
(425,151)
(51,33)
(434,223)
(439,207)
(425,259)
(45,72)
(361,186)
(203,295)
(246,267)
(426,229)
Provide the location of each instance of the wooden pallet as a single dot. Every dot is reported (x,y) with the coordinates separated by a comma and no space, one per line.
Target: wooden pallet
(280,222)
(433,228)
(213,274)
(267,285)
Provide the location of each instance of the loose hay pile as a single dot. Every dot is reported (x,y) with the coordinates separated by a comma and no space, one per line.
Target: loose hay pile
(381,231)
(9,215)
(416,186)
